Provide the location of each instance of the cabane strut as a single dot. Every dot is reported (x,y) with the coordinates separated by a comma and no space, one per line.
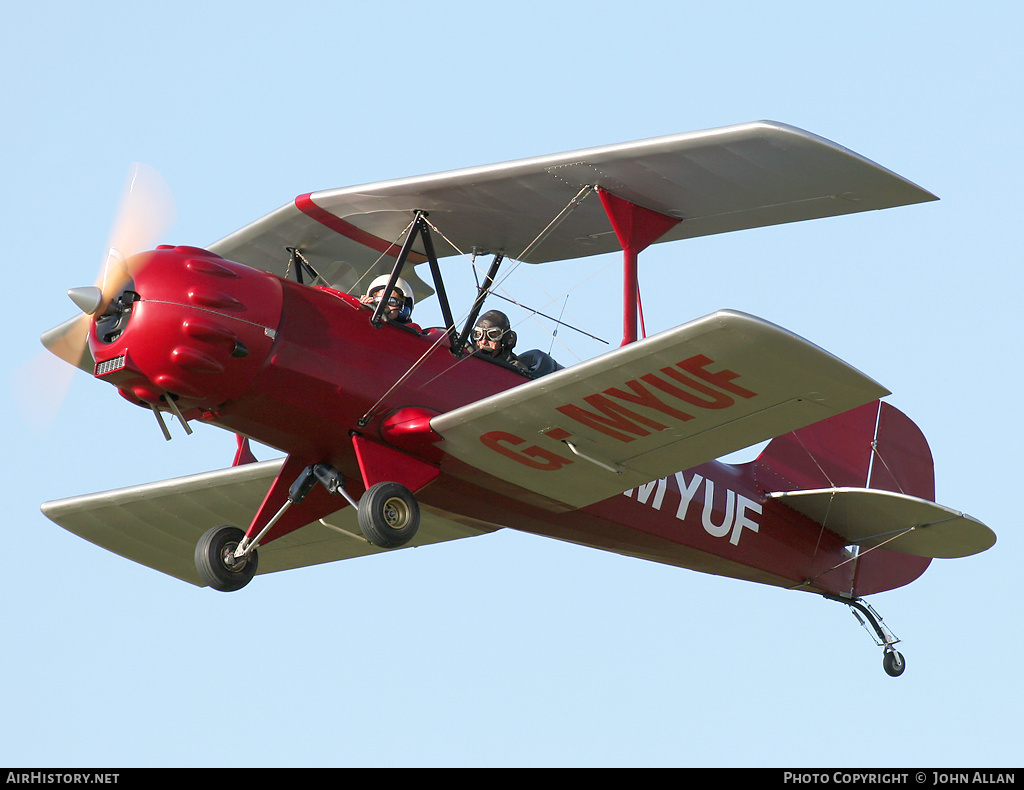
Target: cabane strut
(636,228)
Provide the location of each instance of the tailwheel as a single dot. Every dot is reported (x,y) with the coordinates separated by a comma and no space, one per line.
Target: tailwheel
(388,515)
(893,663)
(216,562)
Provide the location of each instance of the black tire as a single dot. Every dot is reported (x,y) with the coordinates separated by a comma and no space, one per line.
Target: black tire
(389,515)
(893,663)
(215,569)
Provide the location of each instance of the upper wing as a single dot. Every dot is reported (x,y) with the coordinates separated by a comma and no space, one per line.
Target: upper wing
(736,177)
(651,408)
(871,518)
(158,524)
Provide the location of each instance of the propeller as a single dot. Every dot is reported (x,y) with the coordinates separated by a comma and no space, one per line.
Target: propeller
(145,213)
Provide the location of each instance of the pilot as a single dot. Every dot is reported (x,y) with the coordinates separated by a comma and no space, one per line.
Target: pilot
(493,337)
(399,304)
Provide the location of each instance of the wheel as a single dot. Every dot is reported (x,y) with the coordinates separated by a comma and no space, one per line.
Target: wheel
(893,663)
(216,563)
(388,515)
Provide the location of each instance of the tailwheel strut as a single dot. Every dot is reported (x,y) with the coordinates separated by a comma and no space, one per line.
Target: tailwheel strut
(892,661)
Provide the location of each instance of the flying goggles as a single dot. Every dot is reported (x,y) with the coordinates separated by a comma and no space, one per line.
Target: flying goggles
(491,333)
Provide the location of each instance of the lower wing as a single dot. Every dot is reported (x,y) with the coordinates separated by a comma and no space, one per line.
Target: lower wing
(648,409)
(158,524)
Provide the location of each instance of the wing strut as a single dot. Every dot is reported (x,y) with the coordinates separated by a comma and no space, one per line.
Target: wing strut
(420,228)
(482,292)
(636,228)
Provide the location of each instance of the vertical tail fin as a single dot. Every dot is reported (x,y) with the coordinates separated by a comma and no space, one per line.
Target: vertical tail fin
(873,446)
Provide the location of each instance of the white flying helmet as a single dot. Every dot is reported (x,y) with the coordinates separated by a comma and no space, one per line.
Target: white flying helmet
(380,283)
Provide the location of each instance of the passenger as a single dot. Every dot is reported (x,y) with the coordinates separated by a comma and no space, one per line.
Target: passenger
(493,337)
(399,305)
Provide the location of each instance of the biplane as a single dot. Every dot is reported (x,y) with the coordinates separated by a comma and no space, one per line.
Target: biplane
(395,436)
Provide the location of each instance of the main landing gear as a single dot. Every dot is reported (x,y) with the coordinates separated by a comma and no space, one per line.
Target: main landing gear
(388,517)
(216,561)
(892,661)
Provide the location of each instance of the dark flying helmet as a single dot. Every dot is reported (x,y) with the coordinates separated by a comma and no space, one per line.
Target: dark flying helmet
(494,325)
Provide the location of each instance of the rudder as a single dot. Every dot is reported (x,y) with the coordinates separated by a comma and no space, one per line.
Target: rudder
(872,446)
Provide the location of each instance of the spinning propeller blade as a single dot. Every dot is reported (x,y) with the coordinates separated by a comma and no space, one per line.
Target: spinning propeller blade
(145,213)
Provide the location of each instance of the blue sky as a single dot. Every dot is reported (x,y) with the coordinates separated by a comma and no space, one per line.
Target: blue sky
(509,649)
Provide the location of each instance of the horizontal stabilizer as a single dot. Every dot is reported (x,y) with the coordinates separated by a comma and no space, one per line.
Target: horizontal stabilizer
(158,524)
(648,409)
(871,518)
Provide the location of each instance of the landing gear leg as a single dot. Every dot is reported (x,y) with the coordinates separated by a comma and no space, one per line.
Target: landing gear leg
(226,559)
(892,661)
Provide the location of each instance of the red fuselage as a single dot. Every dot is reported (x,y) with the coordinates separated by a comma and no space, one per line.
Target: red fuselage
(303,369)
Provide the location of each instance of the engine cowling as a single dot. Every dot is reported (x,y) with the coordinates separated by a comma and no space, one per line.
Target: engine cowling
(190,325)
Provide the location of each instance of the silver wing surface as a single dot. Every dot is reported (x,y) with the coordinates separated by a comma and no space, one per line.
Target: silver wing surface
(736,177)
(158,524)
(870,518)
(648,409)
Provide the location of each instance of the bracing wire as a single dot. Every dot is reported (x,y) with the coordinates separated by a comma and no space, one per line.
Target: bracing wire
(373,266)
(554,333)
(572,204)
